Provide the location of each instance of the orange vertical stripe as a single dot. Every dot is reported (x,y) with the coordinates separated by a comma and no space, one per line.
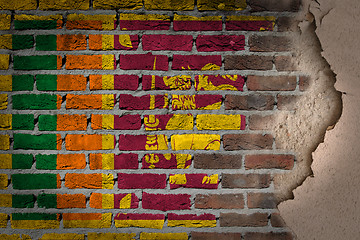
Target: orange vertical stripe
(67,122)
(96,121)
(95,160)
(83,101)
(58,141)
(84,62)
(59,62)
(67,42)
(96,200)
(81,180)
(71,200)
(58,181)
(95,82)
(58,101)
(71,83)
(83,142)
(70,161)
(95,42)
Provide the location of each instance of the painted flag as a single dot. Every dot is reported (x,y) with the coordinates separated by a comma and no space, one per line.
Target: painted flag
(89,181)
(38,62)
(142,142)
(197,62)
(37,142)
(4,181)
(91,22)
(16,121)
(166,202)
(35,221)
(191,23)
(60,161)
(191,220)
(79,142)
(110,161)
(87,220)
(96,62)
(11,83)
(99,101)
(219,82)
(61,201)
(36,181)
(114,82)
(61,42)
(196,102)
(24,21)
(169,122)
(146,102)
(140,220)
(62,122)
(196,180)
(111,201)
(166,161)
(152,82)
(144,22)
(123,122)
(16,42)
(60,82)
(16,161)
(195,142)
(250,23)
(113,42)
(220,122)
(17,200)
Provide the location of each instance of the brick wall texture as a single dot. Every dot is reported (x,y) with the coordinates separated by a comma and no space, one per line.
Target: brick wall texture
(130,119)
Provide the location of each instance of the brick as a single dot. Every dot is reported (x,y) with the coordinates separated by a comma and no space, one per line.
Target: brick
(288,102)
(169,122)
(152,82)
(261,122)
(219,82)
(62,236)
(191,220)
(14,236)
(18,5)
(195,142)
(64,4)
(304,83)
(166,202)
(4,142)
(212,5)
(217,161)
(35,181)
(268,236)
(78,142)
(124,122)
(111,42)
(211,43)
(62,122)
(99,62)
(117,4)
(246,180)
(247,141)
(268,161)
(243,220)
(17,201)
(4,61)
(248,62)
(145,102)
(144,22)
(219,201)
(91,22)
(191,23)
(37,142)
(177,5)
(262,200)
(16,161)
(110,161)
(139,220)
(114,82)
(141,181)
(167,42)
(287,24)
(220,122)
(93,101)
(60,161)
(35,221)
(10,83)
(144,62)
(17,122)
(197,180)
(198,102)
(6,199)
(24,21)
(44,62)
(277,221)
(250,23)
(142,142)
(173,236)
(269,43)
(89,181)
(114,201)
(5,21)
(196,62)
(4,182)
(215,235)
(16,42)
(87,220)
(285,63)
(249,102)
(3,101)
(59,42)
(36,102)
(271,83)
(274,6)
(166,161)
(61,201)
(106,236)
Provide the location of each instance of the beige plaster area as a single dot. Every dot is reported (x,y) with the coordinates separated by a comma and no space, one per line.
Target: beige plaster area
(326,205)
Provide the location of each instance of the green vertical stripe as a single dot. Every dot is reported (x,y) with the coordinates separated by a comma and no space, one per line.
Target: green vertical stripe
(46,82)
(47,122)
(40,142)
(34,101)
(34,181)
(22,82)
(33,216)
(44,62)
(47,201)
(22,42)
(23,122)
(46,161)
(46,43)
(22,161)
(35,24)
(23,201)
